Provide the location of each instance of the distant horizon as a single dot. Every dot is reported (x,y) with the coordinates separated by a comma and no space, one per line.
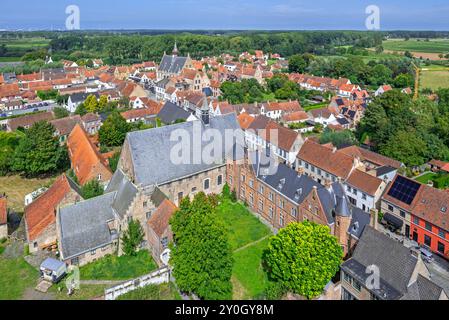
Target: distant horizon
(226,30)
(251,15)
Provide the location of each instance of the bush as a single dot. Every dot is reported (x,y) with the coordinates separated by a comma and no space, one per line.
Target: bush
(233,196)
(275,291)
(226,193)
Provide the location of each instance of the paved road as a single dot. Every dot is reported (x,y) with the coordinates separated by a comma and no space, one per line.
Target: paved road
(51,106)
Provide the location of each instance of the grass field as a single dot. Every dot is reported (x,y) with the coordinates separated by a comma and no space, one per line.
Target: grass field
(16,187)
(85,292)
(431,46)
(243,227)
(119,268)
(16,276)
(434,79)
(10,59)
(249,238)
(249,277)
(25,43)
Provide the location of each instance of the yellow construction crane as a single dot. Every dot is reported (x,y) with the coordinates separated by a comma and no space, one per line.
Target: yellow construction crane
(417,74)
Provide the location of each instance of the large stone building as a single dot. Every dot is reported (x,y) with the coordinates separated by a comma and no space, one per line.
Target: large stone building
(147,184)
(173,65)
(280,195)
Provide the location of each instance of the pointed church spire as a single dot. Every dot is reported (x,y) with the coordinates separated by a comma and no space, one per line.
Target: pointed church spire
(175,49)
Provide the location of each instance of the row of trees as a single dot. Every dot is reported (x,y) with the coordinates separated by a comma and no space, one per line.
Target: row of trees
(410,131)
(120,49)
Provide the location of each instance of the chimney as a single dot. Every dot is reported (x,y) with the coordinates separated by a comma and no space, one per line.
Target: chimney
(300,170)
(374,218)
(328,184)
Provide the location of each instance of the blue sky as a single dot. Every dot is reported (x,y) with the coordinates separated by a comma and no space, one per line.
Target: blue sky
(221,14)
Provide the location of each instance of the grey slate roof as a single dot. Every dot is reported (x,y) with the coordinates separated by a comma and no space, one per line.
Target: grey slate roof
(153,151)
(423,289)
(171,112)
(360,219)
(395,263)
(82,96)
(84,227)
(281,177)
(172,64)
(124,192)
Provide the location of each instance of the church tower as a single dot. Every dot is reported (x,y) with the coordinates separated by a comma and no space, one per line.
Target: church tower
(175,50)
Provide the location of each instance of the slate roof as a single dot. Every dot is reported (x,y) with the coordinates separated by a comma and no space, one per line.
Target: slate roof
(423,289)
(152,149)
(81,97)
(360,219)
(395,262)
(172,63)
(281,177)
(124,192)
(84,226)
(171,112)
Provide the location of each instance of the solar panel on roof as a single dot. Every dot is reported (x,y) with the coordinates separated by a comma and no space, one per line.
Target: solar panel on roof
(404,190)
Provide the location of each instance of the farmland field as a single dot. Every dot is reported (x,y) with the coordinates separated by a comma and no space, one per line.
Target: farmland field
(434,79)
(431,46)
(25,43)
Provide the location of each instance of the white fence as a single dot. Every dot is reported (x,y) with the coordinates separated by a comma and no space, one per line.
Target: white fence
(157,277)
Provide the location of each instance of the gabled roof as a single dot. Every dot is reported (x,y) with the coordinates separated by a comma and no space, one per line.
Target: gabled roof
(245,120)
(150,150)
(83,155)
(370,156)
(326,158)
(364,182)
(395,262)
(41,212)
(423,289)
(29,120)
(84,225)
(172,64)
(159,220)
(65,125)
(171,112)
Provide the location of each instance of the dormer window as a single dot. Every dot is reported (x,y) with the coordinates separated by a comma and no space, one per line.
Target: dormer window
(443,209)
(298,193)
(281,183)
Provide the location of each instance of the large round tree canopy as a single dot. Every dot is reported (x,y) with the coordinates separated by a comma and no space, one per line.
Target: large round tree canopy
(303,257)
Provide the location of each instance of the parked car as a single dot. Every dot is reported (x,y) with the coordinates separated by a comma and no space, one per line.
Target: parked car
(35,109)
(426,255)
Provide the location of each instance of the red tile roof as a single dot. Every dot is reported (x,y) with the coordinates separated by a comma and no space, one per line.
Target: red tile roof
(41,213)
(84,156)
(159,220)
(364,181)
(370,156)
(327,159)
(3,210)
(245,120)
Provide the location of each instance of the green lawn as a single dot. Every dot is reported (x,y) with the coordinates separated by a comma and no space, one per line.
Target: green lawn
(315,106)
(16,275)
(165,291)
(432,46)
(249,273)
(86,292)
(434,79)
(112,267)
(440,180)
(243,227)
(10,59)
(248,277)
(25,42)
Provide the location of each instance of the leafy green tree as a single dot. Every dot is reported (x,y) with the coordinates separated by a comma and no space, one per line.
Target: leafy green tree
(91,103)
(113,161)
(297,63)
(102,103)
(338,138)
(406,146)
(132,237)
(201,257)
(8,144)
(114,130)
(60,112)
(47,94)
(39,151)
(380,74)
(303,258)
(81,109)
(92,189)
(404,80)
